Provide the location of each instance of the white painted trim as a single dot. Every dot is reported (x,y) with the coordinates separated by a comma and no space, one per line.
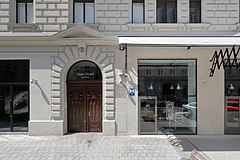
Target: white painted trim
(181,41)
(12,11)
(203,11)
(179,11)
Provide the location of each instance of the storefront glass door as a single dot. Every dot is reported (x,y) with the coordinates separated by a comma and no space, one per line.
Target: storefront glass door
(4,108)
(147,114)
(232,114)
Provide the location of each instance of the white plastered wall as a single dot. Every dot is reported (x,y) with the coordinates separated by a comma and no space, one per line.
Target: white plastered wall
(40,92)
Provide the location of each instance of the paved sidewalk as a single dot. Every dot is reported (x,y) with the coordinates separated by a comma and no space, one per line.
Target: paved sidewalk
(86,146)
(214,147)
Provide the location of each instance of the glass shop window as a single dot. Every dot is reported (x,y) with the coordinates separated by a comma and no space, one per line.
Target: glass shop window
(175,92)
(14,71)
(232,86)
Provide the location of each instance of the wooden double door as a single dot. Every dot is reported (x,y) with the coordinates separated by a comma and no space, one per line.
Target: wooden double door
(84,106)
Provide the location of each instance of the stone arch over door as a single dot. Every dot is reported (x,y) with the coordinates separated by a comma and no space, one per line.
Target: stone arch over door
(84,97)
(68,55)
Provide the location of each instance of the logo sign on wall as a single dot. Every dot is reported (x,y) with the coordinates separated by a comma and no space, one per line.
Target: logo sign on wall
(227,58)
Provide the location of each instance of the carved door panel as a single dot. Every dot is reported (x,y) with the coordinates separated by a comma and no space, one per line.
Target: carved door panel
(75,109)
(94,107)
(85,107)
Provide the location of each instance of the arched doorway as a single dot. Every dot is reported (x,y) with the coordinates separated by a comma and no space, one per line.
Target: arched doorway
(84,97)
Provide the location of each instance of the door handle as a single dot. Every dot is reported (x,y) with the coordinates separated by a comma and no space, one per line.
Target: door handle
(89,113)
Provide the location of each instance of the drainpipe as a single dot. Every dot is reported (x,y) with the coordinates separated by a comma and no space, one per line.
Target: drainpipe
(126,60)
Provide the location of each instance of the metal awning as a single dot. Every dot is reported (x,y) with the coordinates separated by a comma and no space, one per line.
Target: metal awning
(182,41)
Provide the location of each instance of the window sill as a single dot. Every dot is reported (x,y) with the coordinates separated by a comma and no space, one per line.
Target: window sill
(158,27)
(90,25)
(139,26)
(17,27)
(197,26)
(168,26)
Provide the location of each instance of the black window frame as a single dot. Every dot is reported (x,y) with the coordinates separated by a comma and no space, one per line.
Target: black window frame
(139,1)
(84,9)
(11,64)
(200,9)
(10,69)
(26,10)
(165,2)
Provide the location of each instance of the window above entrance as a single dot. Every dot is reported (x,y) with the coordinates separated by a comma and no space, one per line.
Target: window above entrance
(84,71)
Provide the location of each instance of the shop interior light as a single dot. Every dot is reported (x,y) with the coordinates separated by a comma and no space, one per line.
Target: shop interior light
(231,87)
(178,87)
(151,87)
(171,87)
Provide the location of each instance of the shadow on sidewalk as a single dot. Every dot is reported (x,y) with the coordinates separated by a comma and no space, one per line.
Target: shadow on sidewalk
(210,144)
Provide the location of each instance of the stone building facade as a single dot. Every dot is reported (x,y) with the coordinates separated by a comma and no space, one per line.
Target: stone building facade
(127,54)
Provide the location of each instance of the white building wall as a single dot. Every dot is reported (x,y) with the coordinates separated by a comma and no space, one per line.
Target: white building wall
(48,97)
(115,16)
(4,15)
(223,15)
(52,15)
(40,92)
(40,98)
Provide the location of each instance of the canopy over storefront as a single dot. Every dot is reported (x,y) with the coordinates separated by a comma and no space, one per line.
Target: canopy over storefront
(182,41)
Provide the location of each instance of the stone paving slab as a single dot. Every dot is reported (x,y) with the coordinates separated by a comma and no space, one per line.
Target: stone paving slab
(214,147)
(82,146)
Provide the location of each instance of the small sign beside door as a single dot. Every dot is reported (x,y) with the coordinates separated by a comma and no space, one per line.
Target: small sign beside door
(131,91)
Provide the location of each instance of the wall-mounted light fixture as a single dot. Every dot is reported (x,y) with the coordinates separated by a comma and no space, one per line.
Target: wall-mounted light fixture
(33,81)
(122,47)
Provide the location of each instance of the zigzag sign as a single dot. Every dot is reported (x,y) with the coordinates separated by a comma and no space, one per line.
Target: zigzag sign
(225,59)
